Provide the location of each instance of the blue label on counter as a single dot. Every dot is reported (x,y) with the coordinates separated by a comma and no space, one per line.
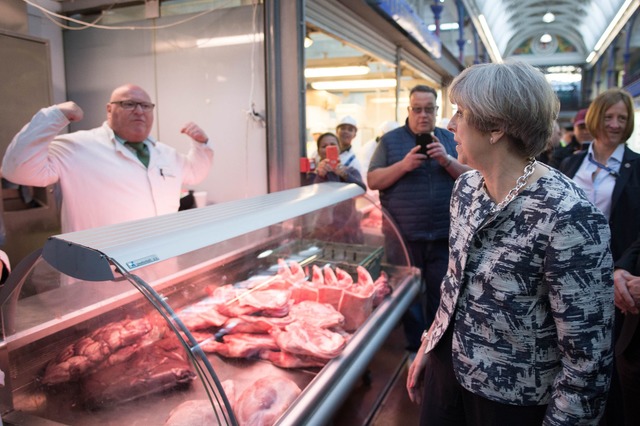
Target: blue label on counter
(141,262)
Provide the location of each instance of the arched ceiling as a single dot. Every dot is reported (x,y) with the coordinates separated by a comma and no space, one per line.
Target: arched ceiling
(514,27)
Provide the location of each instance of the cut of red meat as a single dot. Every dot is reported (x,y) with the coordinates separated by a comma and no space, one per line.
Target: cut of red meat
(154,368)
(262,403)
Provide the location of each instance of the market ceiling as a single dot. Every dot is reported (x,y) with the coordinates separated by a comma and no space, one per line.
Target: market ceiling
(544,32)
(577,31)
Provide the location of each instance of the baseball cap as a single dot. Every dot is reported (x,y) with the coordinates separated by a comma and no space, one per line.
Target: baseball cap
(347,119)
(580,117)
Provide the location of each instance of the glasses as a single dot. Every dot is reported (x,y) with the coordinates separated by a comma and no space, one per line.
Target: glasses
(131,105)
(420,110)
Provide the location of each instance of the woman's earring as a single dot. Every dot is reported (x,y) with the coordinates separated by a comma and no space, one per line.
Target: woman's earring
(491,140)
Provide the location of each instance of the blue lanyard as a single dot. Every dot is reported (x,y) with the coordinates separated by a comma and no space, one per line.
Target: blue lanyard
(602,166)
(353,157)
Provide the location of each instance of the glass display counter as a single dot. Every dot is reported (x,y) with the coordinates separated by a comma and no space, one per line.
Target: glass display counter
(194,316)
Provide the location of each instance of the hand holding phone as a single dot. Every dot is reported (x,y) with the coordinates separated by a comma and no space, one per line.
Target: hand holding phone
(332,155)
(423,139)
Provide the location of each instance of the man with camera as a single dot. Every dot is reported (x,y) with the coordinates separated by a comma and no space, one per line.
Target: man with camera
(415,188)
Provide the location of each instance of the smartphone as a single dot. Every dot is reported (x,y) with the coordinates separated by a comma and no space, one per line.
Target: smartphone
(423,139)
(332,155)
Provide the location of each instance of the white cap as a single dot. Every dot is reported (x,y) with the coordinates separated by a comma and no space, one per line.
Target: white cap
(347,119)
(387,126)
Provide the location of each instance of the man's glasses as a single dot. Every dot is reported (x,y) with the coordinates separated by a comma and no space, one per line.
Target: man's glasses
(131,105)
(420,110)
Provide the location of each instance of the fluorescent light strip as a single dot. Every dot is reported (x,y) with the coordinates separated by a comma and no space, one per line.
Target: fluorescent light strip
(612,25)
(625,9)
(381,83)
(336,71)
(230,40)
(447,26)
(493,48)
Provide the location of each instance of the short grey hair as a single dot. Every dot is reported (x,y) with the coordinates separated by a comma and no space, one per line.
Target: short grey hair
(514,97)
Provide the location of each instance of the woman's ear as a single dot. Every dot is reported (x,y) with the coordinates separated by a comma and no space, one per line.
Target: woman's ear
(495,135)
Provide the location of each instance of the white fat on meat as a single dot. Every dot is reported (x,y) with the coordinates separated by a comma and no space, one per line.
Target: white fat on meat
(199,412)
(285,359)
(269,302)
(203,314)
(195,412)
(356,303)
(304,339)
(240,345)
(321,315)
(263,402)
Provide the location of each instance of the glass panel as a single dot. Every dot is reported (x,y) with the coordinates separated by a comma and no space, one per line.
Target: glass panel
(186,333)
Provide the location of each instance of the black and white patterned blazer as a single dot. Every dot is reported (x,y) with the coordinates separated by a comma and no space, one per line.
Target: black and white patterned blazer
(531,294)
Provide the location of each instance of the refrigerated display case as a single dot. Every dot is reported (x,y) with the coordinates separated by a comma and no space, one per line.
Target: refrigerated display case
(205,309)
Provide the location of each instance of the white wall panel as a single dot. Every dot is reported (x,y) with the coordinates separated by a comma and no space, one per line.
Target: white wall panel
(213,87)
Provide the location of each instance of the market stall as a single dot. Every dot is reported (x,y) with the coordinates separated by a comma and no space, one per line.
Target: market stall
(198,312)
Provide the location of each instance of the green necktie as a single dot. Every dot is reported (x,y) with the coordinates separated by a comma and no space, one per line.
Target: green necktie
(141,151)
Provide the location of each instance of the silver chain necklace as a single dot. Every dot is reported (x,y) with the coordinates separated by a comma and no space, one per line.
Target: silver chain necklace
(520,183)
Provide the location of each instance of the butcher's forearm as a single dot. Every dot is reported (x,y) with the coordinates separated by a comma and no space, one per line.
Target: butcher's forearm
(26,160)
(384,177)
(199,162)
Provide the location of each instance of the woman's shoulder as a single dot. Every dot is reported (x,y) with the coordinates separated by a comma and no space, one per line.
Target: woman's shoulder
(558,190)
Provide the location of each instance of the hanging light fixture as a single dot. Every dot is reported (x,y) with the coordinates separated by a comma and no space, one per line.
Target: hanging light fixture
(548,18)
(308,41)
(546,38)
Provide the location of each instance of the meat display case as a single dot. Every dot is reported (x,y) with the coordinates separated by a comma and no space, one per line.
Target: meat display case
(96,326)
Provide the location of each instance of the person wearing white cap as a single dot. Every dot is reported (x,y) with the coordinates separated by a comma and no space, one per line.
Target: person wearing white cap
(346,131)
(365,153)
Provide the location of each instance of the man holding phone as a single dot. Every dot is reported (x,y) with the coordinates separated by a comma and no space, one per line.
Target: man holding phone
(415,188)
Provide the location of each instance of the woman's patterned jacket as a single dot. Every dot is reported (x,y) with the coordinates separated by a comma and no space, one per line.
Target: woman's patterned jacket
(531,289)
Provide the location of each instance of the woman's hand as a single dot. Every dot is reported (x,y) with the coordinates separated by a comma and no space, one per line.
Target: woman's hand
(323,168)
(341,171)
(416,374)
(625,285)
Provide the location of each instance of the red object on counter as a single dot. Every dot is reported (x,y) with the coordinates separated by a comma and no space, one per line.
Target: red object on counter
(304,165)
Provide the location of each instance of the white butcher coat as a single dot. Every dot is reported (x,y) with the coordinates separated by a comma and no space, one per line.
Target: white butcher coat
(102,181)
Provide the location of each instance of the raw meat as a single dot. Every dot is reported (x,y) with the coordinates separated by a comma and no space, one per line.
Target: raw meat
(382,288)
(85,355)
(200,412)
(357,302)
(262,403)
(240,345)
(320,315)
(203,314)
(330,278)
(284,359)
(317,277)
(253,324)
(303,339)
(154,368)
(247,302)
(344,279)
(197,412)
